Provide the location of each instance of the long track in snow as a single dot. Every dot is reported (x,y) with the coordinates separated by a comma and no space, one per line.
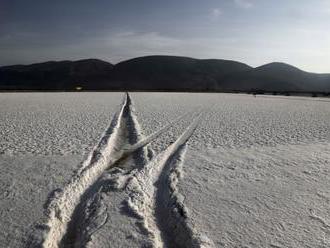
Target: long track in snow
(156,179)
(155,198)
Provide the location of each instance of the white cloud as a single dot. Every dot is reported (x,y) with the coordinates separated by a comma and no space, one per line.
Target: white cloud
(216,13)
(245,4)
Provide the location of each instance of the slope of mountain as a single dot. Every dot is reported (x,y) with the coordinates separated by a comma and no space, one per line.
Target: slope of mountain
(277,77)
(56,75)
(174,73)
(156,73)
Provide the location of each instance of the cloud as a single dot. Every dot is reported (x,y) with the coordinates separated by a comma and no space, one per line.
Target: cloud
(126,45)
(122,46)
(311,55)
(216,13)
(245,4)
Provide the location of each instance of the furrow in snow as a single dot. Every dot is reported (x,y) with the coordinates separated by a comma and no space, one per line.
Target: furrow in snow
(91,212)
(147,140)
(150,186)
(81,191)
(171,213)
(63,204)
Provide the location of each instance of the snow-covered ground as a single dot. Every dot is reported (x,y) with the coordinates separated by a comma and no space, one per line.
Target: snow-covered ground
(168,170)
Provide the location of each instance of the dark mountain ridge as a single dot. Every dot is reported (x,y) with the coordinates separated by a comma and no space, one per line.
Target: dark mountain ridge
(56,75)
(278,77)
(157,73)
(174,73)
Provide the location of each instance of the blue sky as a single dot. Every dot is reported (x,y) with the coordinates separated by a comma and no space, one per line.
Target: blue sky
(252,31)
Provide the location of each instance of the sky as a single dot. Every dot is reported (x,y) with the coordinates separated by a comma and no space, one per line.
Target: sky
(255,32)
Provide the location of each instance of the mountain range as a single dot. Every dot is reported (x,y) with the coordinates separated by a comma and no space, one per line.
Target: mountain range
(162,73)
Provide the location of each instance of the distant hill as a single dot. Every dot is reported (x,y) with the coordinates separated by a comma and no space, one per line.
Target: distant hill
(88,73)
(174,73)
(277,77)
(169,73)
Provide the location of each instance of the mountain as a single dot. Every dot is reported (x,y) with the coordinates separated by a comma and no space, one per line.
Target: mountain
(56,75)
(174,73)
(277,77)
(157,73)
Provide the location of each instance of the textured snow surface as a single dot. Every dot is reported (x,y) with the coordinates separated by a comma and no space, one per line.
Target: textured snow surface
(255,172)
(54,123)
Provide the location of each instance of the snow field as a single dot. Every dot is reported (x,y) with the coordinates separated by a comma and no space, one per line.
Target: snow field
(248,172)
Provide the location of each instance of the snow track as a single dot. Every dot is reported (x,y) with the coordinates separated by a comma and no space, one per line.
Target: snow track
(105,154)
(170,210)
(77,211)
(155,198)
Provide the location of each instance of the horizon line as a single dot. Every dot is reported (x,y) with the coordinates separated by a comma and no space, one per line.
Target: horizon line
(160,55)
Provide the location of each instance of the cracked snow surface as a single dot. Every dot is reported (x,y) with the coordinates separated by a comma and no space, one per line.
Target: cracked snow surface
(106,169)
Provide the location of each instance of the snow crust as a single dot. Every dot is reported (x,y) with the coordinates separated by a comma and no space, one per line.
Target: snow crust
(254,173)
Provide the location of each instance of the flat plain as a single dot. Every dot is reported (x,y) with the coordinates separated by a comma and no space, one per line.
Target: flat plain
(163,170)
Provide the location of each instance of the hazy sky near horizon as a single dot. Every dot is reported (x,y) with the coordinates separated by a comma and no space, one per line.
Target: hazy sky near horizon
(251,31)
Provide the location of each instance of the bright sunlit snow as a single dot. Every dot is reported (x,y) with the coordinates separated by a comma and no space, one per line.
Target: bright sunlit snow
(163,170)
